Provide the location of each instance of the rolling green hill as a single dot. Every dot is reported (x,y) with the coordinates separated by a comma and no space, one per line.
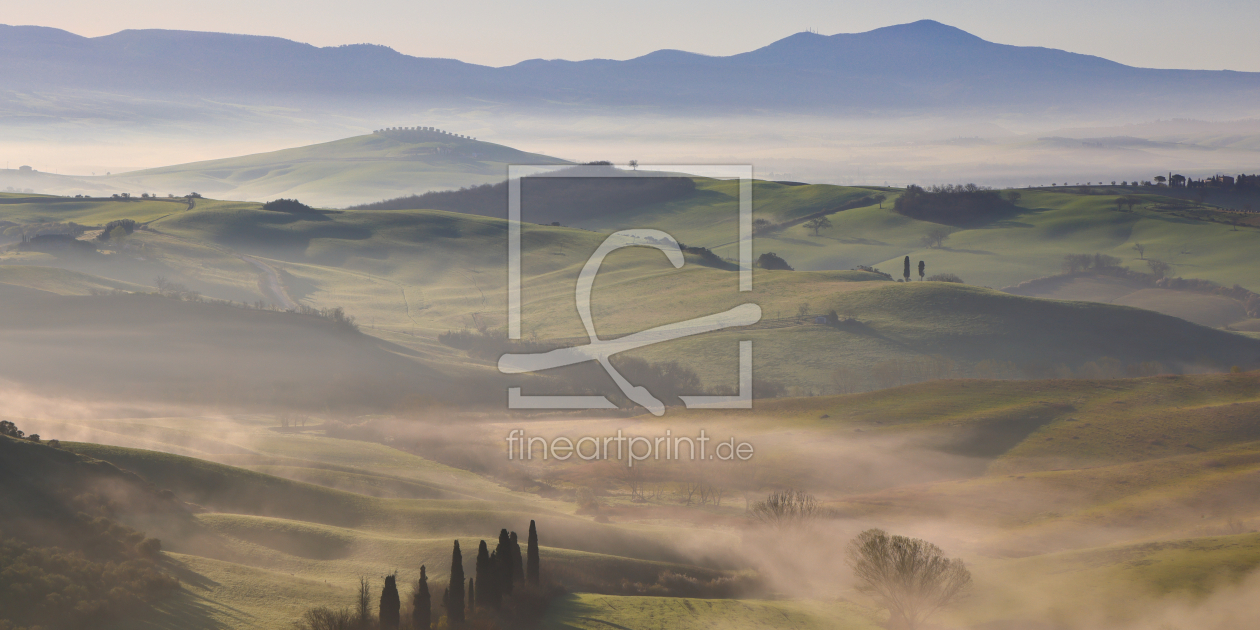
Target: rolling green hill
(343,172)
(901,333)
(1027,243)
(411,275)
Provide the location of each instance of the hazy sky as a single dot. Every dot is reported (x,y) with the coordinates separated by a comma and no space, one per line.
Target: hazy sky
(1210,34)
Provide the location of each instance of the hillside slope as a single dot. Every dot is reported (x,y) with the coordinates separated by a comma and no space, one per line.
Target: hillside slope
(411,275)
(353,170)
(146,347)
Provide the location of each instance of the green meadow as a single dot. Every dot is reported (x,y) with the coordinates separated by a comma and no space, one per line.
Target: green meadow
(339,173)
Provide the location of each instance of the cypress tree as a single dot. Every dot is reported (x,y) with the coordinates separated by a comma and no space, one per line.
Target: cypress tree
(446,598)
(455,598)
(494,581)
(906,272)
(485,575)
(531,551)
(518,570)
(472,594)
(922,269)
(390,604)
(421,606)
(504,553)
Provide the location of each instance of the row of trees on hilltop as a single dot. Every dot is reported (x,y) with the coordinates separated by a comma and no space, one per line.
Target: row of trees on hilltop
(1176,180)
(504,592)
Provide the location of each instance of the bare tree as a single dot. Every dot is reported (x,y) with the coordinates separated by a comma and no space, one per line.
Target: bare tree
(910,577)
(690,487)
(324,618)
(634,478)
(634,164)
(363,612)
(787,508)
(1141,250)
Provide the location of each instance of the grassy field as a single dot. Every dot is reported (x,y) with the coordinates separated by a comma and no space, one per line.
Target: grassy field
(20,208)
(586,611)
(343,172)
(1032,242)
(1029,243)
(410,275)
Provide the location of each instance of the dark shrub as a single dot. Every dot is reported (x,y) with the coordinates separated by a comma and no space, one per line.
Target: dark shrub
(771,260)
(287,205)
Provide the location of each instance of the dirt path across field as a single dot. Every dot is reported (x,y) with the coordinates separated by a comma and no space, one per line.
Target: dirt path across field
(271,284)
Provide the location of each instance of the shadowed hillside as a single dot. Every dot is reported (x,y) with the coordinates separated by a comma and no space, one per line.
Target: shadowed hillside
(68,559)
(146,347)
(604,194)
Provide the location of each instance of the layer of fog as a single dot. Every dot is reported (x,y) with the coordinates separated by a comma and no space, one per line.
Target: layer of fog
(996,151)
(899,481)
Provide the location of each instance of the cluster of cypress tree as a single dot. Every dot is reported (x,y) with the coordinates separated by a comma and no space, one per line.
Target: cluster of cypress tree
(421,607)
(498,572)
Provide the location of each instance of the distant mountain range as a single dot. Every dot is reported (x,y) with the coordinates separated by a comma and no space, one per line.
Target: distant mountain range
(922,67)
